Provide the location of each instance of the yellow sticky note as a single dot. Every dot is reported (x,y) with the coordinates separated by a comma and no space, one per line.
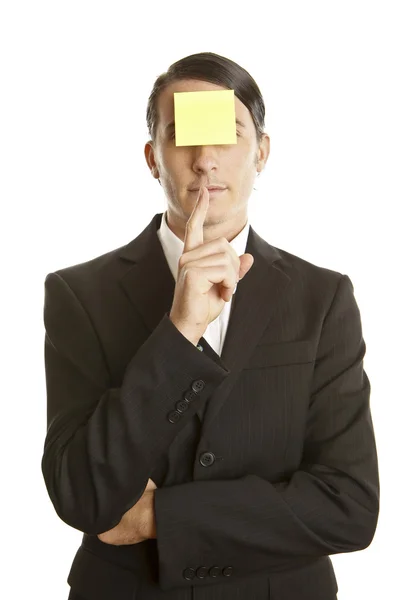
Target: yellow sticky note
(205,118)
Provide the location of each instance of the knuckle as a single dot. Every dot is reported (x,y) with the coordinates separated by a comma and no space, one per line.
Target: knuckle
(189,273)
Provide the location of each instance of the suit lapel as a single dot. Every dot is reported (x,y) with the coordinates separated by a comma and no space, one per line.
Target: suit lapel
(150,286)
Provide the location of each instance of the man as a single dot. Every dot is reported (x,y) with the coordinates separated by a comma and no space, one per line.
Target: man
(209,428)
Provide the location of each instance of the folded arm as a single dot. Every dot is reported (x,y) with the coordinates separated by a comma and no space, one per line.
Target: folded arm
(329,505)
(103,442)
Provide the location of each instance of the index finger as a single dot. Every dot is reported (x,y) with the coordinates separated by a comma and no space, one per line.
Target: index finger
(194,226)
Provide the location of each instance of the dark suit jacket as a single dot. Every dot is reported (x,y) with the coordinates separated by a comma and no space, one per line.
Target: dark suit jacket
(264,457)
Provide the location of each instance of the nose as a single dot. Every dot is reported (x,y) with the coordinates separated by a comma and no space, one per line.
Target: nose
(205,158)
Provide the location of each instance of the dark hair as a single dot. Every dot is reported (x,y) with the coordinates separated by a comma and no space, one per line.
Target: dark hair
(207,66)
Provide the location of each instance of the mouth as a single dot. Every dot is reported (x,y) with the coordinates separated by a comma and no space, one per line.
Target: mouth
(212,191)
(211,188)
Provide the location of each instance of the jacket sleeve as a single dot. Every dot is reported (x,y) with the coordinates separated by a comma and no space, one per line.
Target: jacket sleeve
(329,505)
(102,442)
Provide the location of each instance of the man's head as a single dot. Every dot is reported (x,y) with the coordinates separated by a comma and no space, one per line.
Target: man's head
(234,166)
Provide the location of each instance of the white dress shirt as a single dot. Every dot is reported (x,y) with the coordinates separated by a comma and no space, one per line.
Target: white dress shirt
(173,249)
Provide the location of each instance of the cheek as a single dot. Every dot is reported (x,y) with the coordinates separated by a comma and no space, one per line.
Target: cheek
(240,168)
(175,162)
(241,156)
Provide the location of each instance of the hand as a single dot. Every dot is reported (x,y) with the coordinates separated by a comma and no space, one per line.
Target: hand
(207,274)
(137,524)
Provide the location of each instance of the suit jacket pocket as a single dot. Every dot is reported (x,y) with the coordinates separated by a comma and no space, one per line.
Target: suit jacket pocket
(281,353)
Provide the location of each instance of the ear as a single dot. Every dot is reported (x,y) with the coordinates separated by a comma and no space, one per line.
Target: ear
(150,159)
(263,152)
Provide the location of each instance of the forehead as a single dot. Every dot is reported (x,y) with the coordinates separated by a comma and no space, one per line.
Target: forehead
(165,103)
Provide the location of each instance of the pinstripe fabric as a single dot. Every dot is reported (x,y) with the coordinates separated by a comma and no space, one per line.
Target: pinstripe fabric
(271,467)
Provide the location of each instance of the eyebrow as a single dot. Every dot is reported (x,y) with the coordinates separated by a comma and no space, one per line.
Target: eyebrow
(171,125)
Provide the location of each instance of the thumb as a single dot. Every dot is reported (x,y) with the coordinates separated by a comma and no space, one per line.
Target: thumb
(246,262)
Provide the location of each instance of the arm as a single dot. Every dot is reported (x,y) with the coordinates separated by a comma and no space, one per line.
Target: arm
(103,442)
(329,505)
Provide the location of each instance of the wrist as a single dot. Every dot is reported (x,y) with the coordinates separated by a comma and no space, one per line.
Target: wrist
(187,332)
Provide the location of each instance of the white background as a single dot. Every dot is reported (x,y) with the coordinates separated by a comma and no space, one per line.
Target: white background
(75,79)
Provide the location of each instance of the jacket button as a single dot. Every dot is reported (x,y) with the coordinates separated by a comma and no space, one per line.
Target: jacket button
(181,406)
(198,385)
(202,572)
(227,571)
(199,347)
(189,573)
(173,416)
(189,396)
(207,459)
(214,571)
